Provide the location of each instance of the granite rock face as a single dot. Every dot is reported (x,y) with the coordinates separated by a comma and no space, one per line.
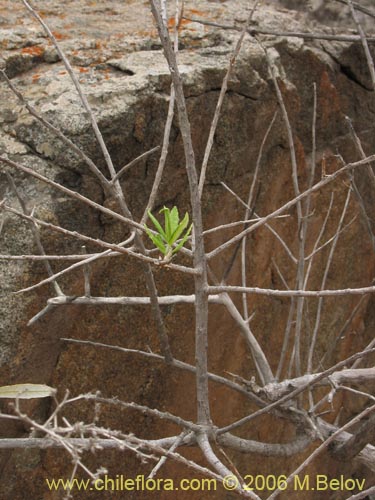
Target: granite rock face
(115,51)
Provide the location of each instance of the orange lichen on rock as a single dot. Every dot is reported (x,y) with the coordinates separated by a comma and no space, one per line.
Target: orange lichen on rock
(195,12)
(35,50)
(183,22)
(58,35)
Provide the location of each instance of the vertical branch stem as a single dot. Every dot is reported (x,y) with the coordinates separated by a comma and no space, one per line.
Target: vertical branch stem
(248,214)
(168,124)
(301,228)
(324,280)
(219,105)
(201,285)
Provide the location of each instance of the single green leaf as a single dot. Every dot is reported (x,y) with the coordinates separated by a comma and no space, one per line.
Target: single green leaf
(174,220)
(183,241)
(157,240)
(167,222)
(156,223)
(26,391)
(180,228)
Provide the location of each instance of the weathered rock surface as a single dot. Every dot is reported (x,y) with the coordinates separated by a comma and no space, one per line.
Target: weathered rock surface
(114,49)
(333,13)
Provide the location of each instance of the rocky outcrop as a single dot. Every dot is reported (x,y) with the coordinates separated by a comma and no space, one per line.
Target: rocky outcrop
(115,51)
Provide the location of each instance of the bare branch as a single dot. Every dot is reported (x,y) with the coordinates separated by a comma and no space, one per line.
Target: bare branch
(359,7)
(235,224)
(169,121)
(96,241)
(296,446)
(291,293)
(36,233)
(342,331)
(175,445)
(296,392)
(78,257)
(199,253)
(363,494)
(40,314)
(85,261)
(326,180)
(249,211)
(323,285)
(78,87)
(370,62)
(274,390)
(144,409)
(72,194)
(253,31)
(114,187)
(131,164)
(129,301)
(176,364)
(94,169)
(270,228)
(220,101)
(324,446)
(361,437)
(260,359)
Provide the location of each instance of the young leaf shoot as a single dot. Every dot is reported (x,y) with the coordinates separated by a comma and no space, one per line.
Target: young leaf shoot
(166,240)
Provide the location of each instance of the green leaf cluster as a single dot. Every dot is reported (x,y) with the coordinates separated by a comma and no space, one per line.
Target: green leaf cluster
(173,229)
